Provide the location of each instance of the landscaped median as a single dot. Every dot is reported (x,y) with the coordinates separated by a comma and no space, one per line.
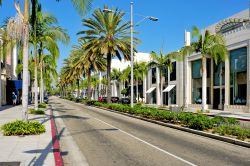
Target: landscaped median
(219,125)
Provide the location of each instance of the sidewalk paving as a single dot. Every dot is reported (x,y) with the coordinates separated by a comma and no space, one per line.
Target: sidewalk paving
(234,114)
(237,115)
(28,150)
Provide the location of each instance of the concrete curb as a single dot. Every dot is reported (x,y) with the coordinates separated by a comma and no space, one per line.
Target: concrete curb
(201,133)
(55,143)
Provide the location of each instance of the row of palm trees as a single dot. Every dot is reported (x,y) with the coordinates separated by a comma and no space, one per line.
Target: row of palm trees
(43,35)
(105,37)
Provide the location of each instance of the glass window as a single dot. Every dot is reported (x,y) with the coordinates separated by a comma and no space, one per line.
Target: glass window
(219,74)
(238,76)
(172,96)
(173,73)
(153,75)
(165,74)
(196,69)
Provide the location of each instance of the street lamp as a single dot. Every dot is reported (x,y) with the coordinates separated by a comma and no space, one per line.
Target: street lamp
(106,10)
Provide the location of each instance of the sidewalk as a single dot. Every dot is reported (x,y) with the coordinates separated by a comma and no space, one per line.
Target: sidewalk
(26,150)
(238,115)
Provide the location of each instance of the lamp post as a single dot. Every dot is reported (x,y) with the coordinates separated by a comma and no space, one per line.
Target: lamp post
(132,43)
(132,53)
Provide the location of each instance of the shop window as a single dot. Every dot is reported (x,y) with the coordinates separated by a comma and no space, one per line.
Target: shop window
(153,75)
(165,74)
(172,94)
(219,74)
(173,73)
(238,76)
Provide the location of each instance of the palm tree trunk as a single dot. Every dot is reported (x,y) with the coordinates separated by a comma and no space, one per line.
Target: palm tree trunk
(78,88)
(108,77)
(204,83)
(137,90)
(41,82)
(89,84)
(25,85)
(0,77)
(161,86)
(35,81)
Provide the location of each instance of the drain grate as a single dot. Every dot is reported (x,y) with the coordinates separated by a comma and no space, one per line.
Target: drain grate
(10,163)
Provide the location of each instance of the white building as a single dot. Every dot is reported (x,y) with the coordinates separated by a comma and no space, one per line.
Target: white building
(231,93)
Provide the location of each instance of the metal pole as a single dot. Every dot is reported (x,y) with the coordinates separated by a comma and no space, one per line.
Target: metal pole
(132,56)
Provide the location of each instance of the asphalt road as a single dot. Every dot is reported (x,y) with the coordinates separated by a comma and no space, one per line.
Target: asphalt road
(107,138)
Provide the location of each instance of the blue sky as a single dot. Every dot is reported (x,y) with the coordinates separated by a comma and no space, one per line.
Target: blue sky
(174,17)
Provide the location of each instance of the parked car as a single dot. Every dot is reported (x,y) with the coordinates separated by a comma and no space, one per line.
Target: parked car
(46,99)
(124,100)
(114,99)
(102,99)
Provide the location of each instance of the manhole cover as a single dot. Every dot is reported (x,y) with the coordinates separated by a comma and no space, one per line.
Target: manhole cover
(10,163)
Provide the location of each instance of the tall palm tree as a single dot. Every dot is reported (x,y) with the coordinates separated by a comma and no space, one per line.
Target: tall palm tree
(49,34)
(33,38)
(143,68)
(107,35)
(138,76)
(210,46)
(88,61)
(80,5)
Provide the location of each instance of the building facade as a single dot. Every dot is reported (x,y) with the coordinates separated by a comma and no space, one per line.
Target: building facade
(228,83)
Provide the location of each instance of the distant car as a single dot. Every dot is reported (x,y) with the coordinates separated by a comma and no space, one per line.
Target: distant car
(124,101)
(102,99)
(46,99)
(114,99)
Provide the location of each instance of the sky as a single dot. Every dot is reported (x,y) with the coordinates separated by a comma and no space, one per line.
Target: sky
(166,34)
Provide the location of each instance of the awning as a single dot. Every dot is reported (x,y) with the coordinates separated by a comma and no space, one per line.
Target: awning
(150,90)
(169,88)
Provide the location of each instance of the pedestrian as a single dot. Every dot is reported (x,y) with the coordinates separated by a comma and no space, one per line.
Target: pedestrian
(14,98)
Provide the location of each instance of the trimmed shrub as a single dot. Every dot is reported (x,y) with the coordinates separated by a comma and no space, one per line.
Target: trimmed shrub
(234,130)
(36,112)
(42,105)
(19,127)
(200,122)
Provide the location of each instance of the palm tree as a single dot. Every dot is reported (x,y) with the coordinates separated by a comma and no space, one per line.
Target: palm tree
(49,34)
(138,76)
(80,5)
(109,37)
(162,61)
(124,77)
(87,61)
(143,68)
(210,46)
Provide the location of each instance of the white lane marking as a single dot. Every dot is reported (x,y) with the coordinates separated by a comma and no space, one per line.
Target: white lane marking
(164,151)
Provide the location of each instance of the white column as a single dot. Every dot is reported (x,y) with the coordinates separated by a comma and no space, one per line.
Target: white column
(149,77)
(144,87)
(158,91)
(204,83)
(212,82)
(248,76)
(227,82)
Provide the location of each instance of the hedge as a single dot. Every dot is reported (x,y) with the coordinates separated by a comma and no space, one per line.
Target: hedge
(19,127)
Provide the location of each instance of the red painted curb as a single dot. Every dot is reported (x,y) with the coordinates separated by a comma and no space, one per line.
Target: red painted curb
(55,143)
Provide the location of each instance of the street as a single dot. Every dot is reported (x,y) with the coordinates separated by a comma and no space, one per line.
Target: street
(106,138)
